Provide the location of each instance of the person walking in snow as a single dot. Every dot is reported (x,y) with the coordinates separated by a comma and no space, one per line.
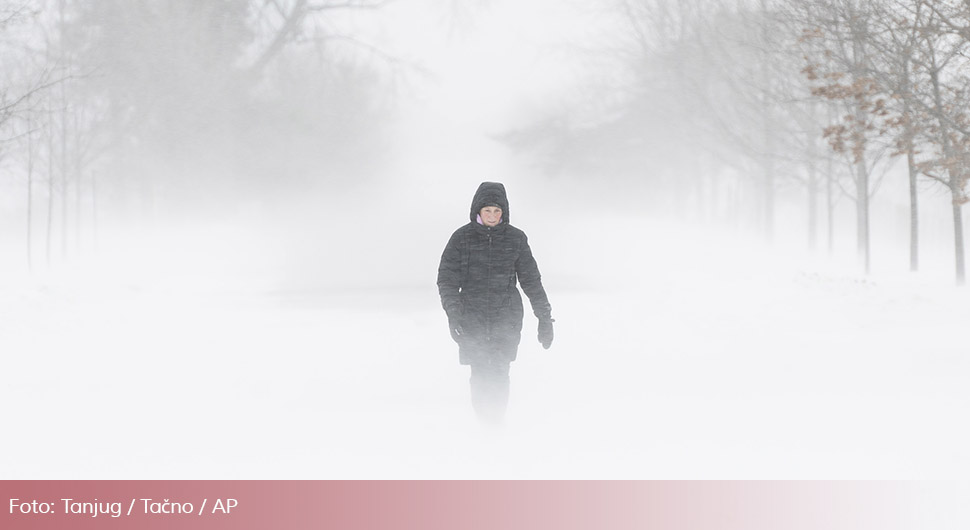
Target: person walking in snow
(477,284)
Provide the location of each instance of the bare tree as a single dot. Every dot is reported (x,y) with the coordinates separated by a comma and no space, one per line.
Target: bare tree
(895,39)
(841,30)
(940,60)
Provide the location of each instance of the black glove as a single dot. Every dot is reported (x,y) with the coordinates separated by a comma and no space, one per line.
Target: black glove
(545,332)
(454,325)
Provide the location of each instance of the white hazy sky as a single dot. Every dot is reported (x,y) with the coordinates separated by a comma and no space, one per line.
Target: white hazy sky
(492,67)
(492,63)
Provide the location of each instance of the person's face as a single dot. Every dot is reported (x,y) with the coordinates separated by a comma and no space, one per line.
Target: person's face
(491,215)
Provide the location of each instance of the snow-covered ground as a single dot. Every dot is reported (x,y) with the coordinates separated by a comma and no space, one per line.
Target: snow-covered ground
(679,353)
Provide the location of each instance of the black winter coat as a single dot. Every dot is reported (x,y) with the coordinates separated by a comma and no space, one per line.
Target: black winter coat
(477,282)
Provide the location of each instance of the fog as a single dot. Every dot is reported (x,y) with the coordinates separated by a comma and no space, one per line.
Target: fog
(222,223)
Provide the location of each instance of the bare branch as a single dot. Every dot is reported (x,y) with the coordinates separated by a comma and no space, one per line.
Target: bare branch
(373,4)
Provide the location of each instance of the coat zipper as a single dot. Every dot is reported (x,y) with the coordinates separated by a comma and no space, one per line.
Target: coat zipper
(488,277)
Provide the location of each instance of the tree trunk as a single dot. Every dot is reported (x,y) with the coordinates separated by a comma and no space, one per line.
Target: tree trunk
(958,236)
(700,190)
(94,211)
(30,186)
(812,207)
(862,173)
(77,163)
(50,180)
(829,207)
(768,163)
(64,172)
(812,191)
(913,210)
(829,197)
(769,198)
(953,177)
(713,196)
(862,213)
(913,173)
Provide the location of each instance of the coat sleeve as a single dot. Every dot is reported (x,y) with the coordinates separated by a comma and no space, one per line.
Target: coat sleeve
(531,281)
(449,277)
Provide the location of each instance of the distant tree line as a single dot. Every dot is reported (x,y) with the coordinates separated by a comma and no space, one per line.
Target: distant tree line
(151,104)
(826,95)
